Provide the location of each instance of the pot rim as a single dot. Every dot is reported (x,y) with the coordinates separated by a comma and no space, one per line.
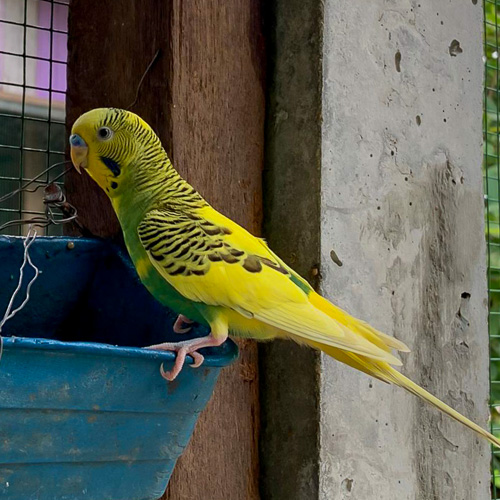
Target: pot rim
(220,357)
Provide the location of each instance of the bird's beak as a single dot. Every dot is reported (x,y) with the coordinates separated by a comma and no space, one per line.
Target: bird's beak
(79,151)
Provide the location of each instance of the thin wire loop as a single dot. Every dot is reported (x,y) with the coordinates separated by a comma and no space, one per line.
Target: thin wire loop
(24,188)
(141,81)
(10,312)
(54,200)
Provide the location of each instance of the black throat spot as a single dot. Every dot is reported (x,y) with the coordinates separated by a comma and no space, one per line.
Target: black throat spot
(112,165)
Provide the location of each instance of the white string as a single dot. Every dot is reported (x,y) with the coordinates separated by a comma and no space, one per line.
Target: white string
(9,312)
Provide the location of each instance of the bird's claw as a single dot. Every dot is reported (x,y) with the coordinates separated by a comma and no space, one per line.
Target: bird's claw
(197,359)
(180,322)
(179,363)
(183,349)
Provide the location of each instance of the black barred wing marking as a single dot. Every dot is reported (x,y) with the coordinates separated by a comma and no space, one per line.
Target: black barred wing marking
(186,244)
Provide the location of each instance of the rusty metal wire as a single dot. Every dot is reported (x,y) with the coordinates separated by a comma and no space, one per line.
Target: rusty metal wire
(10,312)
(57,209)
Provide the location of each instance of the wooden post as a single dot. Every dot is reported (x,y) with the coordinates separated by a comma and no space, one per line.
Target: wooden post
(290,373)
(204,96)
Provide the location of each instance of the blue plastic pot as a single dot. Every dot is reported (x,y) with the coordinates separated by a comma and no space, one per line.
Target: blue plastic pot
(81,419)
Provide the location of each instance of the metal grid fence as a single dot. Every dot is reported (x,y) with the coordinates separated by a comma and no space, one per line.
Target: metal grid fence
(491,173)
(33,54)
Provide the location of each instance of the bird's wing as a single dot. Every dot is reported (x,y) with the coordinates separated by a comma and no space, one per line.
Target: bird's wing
(210,259)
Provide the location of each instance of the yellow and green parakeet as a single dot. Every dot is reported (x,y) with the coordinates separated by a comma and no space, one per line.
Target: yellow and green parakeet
(210,270)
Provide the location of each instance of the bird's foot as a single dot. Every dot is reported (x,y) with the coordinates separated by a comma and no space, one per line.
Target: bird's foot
(183,349)
(180,322)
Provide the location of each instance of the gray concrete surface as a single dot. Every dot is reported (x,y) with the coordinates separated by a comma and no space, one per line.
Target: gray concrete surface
(402,208)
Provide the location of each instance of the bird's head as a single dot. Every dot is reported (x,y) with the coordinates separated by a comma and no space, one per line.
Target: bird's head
(108,143)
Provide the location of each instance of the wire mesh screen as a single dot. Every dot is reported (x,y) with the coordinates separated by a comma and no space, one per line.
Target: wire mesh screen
(33,54)
(491,172)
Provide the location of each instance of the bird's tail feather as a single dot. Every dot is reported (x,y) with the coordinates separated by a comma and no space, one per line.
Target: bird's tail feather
(385,372)
(399,379)
(380,369)
(362,328)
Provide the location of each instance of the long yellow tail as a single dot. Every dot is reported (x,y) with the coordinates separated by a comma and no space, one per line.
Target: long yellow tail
(380,369)
(386,373)
(404,382)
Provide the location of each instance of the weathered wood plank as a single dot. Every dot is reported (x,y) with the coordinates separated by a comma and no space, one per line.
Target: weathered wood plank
(205,98)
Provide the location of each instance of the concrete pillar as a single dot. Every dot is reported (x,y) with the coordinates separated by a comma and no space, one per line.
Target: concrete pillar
(401,209)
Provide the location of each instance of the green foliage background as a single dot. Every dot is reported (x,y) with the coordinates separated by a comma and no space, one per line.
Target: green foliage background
(491,171)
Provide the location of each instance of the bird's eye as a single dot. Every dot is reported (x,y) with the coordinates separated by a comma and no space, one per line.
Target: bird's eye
(104,133)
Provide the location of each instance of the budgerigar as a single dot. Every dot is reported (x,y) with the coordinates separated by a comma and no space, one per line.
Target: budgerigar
(210,270)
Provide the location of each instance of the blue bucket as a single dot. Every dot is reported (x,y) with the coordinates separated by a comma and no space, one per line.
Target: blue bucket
(84,412)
